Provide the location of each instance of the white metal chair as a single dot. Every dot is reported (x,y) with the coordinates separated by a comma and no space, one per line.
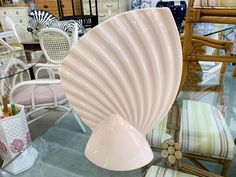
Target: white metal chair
(11,46)
(10,25)
(36,94)
(10,67)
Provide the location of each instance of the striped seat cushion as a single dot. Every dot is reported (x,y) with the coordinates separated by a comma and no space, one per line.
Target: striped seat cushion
(156,171)
(214,3)
(154,137)
(203,131)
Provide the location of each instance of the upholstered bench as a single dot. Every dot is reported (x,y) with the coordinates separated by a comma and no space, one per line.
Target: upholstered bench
(156,171)
(203,133)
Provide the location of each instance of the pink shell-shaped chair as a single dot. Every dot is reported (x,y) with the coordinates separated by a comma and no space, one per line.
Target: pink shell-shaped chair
(122,78)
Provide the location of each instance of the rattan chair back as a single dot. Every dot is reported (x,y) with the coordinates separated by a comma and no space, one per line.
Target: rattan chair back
(55,44)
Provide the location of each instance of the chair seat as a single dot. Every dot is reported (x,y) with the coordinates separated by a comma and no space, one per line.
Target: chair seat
(156,171)
(214,3)
(43,95)
(203,131)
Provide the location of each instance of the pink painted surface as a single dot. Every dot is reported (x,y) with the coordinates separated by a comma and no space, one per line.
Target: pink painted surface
(129,66)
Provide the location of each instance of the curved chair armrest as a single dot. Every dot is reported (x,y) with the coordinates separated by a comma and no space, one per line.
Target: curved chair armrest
(49,68)
(207,41)
(36,83)
(39,82)
(48,65)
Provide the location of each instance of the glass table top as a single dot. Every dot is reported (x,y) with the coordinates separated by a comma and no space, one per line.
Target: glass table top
(61,147)
(21,59)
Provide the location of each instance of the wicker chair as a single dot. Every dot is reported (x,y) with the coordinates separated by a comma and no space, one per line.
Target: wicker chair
(11,47)
(55,44)
(200,14)
(36,94)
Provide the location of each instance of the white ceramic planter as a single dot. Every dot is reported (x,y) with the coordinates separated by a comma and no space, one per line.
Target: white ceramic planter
(14,135)
(14,139)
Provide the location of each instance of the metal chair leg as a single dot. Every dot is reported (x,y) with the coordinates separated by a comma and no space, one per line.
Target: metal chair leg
(81,124)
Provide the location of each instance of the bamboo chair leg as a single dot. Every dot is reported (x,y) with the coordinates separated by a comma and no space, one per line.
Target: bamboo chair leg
(196,171)
(226,167)
(234,71)
(223,68)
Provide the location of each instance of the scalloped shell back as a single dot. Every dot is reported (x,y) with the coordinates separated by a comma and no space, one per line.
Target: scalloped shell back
(129,65)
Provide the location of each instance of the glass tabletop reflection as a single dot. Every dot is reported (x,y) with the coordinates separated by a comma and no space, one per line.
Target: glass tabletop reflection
(19,61)
(61,148)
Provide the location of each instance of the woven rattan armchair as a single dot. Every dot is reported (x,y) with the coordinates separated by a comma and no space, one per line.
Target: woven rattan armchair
(35,94)
(199,14)
(55,44)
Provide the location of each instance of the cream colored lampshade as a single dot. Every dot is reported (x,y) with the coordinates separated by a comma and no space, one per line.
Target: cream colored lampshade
(122,78)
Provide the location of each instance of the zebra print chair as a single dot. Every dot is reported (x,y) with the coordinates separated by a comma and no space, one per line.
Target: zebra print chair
(74,35)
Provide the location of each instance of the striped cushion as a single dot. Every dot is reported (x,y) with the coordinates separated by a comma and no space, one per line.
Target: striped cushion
(203,131)
(155,136)
(156,171)
(215,3)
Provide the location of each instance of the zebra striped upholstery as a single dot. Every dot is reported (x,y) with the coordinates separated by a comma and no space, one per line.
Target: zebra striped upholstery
(203,131)
(156,171)
(42,19)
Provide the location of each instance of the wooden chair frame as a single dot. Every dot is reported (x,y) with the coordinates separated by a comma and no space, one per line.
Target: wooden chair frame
(224,15)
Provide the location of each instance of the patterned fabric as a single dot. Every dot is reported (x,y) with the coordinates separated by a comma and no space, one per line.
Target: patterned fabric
(42,19)
(203,131)
(217,3)
(156,171)
(139,4)
(155,136)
